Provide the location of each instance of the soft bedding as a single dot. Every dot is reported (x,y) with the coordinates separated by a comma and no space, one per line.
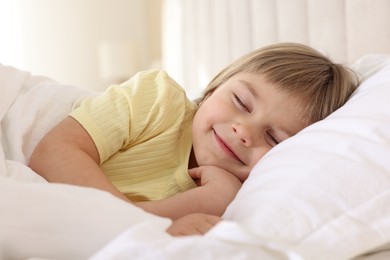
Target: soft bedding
(37,219)
(322,194)
(325,192)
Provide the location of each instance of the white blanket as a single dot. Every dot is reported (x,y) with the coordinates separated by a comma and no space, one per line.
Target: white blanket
(295,205)
(55,221)
(39,219)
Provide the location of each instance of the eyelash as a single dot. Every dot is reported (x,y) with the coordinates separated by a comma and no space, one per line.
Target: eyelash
(238,100)
(273,139)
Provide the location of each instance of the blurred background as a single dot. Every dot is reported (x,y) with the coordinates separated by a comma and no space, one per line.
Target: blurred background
(88,43)
(94,43)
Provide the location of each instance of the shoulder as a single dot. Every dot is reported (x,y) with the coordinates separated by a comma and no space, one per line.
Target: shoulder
(154,87)
(153,81)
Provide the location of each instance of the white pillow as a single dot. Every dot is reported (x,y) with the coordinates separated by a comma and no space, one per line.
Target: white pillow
(326,191)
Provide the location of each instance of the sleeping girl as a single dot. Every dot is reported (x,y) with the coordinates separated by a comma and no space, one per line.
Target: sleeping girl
(146,143)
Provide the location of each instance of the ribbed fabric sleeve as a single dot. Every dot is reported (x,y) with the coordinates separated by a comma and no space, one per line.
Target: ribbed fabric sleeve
(142,131)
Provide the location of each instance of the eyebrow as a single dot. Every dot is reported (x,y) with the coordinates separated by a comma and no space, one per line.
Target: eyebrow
(250,88)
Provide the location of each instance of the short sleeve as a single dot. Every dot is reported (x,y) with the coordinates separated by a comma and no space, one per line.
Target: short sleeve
(130,113)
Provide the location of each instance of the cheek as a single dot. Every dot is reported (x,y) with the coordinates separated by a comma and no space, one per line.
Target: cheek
(201,122)
(200,117)
(205,111)
(212,111)
(257,155)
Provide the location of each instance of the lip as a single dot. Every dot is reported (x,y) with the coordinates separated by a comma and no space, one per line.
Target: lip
(226,148)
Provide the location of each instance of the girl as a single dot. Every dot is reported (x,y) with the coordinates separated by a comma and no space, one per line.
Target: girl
(146,143)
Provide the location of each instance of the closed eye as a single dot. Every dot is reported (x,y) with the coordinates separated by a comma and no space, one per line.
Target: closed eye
(271,139)
(240,103)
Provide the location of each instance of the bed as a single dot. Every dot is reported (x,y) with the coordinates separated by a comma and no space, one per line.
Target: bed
(322,194)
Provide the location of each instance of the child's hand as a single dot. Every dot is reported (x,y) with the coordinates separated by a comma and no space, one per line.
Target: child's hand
(220,185)
(216,189)
(193,224)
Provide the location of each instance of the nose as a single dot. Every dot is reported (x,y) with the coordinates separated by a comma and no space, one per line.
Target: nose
(244,133)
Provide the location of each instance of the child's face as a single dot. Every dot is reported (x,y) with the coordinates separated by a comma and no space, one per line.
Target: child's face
(242,120)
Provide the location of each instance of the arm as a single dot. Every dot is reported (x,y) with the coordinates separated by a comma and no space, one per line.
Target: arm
(217,189)
(67,154)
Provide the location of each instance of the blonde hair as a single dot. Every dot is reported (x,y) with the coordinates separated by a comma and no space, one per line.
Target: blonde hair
(299,70)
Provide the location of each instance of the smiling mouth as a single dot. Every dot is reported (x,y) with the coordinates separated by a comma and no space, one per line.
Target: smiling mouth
(225,148)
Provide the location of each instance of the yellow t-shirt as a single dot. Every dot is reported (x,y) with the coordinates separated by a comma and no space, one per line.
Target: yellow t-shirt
(142,131)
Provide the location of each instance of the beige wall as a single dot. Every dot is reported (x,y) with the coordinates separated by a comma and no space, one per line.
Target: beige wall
(60,38)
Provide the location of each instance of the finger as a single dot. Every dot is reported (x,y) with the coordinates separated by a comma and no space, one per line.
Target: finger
(183,230)
(212,220)
(205,227)
(194,173)
(177,232)
(209,221)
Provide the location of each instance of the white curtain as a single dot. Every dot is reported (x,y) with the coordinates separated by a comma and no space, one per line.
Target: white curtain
(61,39)
(200,37)
(11,38)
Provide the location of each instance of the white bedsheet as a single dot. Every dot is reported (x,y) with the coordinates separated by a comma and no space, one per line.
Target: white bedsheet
(56,221)
(38,219)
